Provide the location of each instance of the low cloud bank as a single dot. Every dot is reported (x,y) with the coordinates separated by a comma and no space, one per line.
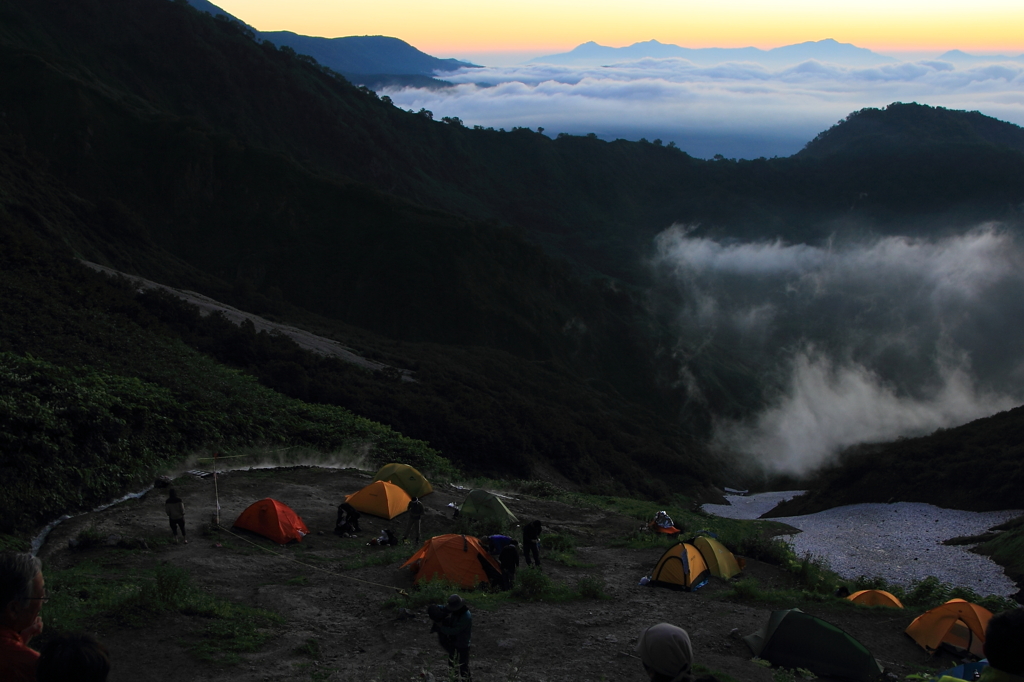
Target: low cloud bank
(827,407)
(862,341)
(741,110)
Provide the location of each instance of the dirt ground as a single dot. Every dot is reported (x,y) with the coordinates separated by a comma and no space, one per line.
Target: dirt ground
(361,639)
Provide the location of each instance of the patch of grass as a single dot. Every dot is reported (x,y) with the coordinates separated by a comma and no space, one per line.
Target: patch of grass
(1007,548)
(377,556)
(560,548)
(89,591)
(298,581)
(700,669)
(311,648)
(931,592)
(426,593)
(88,537)
(591,587)
(10,543)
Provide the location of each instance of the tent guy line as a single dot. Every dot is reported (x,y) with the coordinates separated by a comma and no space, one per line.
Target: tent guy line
(315,568)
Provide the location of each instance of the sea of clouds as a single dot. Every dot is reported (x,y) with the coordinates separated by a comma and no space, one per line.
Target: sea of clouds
(863,341)
(739,110)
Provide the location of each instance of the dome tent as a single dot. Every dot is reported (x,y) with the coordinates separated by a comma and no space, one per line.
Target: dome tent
(457,558)
(405,477)
(957,623)
(274,520)
(681,567)
(380,498)
(483,505)
(875,598)
(794,639)
(721,562)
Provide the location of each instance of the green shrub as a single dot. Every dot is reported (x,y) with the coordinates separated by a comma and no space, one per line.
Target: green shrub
(747,589)
(591,587)
(88,537)
(425,593)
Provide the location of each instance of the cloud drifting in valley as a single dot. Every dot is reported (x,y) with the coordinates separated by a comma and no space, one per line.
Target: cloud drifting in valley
(740,110)
(865,341)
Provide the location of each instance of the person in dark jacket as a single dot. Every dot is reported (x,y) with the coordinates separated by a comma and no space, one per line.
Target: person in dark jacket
(414,526)
(531,542)
(455,632)
(175,510)
(347,522)
(509,560)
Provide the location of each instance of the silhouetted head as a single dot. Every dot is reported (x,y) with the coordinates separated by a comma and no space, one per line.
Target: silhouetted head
(455,602)
(22,590)
(1004,642)
(666,653)
(78,657)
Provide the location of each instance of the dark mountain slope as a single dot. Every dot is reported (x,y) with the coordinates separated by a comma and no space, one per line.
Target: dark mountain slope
(142,386)
(912,126)
(596,203)
(351,55)
(977,466)
(171,198)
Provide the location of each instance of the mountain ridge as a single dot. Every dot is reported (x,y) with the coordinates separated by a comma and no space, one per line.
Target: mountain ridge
(592,54)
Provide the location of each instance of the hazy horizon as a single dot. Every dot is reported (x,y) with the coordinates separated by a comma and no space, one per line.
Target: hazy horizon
(736,109)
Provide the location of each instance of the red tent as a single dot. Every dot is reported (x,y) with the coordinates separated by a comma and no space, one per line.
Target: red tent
(274,520)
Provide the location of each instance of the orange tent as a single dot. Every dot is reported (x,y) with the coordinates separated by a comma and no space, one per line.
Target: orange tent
(875,598)
(380,498)
(454,558)
(274,520)
(958,623)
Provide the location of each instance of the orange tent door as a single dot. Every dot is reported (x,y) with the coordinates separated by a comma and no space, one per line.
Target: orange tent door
(274,520)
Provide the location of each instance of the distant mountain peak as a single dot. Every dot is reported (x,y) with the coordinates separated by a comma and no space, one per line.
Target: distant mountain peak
(826,50)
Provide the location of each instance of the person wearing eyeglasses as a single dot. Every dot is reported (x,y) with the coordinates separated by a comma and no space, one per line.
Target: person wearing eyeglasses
(22,594)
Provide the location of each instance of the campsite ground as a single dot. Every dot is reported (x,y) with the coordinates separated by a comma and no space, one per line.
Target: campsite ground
(337,625)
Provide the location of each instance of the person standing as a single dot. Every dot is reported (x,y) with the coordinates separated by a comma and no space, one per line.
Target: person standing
(175,509)
(415,509)
(509,560)
(22,595)
(455,631)
(531,542)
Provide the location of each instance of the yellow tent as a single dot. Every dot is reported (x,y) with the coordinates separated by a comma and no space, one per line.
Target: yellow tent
(405,477)
(380,498)
(875,598)
(958,623)
(681,567)
(720,561)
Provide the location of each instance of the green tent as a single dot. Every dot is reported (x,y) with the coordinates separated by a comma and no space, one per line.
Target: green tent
(405,477)
(482,506)
(794,639)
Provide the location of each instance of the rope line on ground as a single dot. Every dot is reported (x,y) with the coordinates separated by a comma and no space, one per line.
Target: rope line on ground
(399,590)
